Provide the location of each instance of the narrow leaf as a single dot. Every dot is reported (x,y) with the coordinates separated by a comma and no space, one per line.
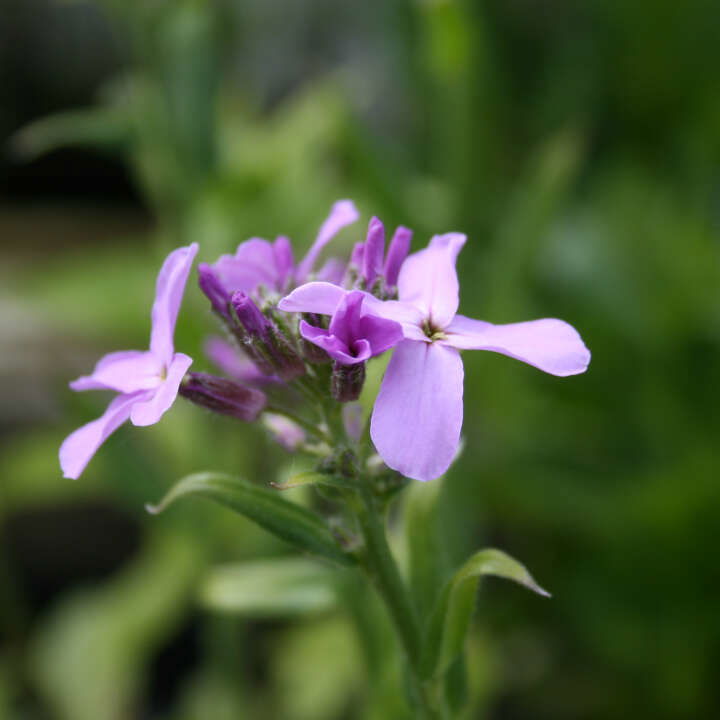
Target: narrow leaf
(287,520)
(449,623)
(270,588)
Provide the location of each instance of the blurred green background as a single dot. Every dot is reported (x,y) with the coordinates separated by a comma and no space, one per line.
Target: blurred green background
(577,144)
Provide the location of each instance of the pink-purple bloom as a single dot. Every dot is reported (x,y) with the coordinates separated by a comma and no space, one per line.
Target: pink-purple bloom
(417,416)
(146,382)
(353,335)
(259,264)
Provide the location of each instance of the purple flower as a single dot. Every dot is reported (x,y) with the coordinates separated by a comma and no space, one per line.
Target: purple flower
(417,417)
(146,382)
(353,335)
(259,263)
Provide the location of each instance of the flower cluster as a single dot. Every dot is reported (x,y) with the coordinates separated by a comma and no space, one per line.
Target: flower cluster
(298,340)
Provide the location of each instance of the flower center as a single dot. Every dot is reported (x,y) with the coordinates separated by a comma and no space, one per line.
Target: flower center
(432,331)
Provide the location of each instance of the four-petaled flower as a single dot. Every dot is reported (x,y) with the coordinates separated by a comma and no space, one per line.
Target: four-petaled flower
(418,413)
(146,382)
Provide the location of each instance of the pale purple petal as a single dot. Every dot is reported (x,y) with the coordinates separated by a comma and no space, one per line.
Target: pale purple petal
(284,260)
(429,281)
(374,251)
(381,333)
(417,417)
(550,344)
(79,447)
(125,372)
(253,264)
(313,297)
(168,296)
(152,409)
(332,271)
(410,317)
(397,252)
(343,213)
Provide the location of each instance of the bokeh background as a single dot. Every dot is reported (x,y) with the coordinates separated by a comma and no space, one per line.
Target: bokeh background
(577,144)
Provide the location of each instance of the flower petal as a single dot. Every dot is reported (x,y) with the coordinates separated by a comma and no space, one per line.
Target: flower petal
(429,281)
(284,260)
(168,296)
(79,447)
(152,409)
(418,413)
(313,297)
(126,372)
(408,315)
(332,271)
(549,344)
(254,263)
(342,213)
(336,347)
(381,333)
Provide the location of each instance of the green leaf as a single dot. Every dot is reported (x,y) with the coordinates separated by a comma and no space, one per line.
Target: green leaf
(450,620)
(290,522)
(270,588)
(104,127)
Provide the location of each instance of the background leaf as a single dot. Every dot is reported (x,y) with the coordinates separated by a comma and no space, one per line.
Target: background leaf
(450,620)
(268,588)
(290,522)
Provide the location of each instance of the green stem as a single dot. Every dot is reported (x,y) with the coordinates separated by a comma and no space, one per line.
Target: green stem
(383,570)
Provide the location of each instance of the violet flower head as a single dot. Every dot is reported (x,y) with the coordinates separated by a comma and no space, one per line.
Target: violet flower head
(417,417)
(146,382)
(258,263)
(353,336)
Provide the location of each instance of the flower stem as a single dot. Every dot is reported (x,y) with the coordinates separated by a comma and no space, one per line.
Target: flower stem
(383,570)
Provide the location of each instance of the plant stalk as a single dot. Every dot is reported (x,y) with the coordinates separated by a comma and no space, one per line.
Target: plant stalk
(383,570)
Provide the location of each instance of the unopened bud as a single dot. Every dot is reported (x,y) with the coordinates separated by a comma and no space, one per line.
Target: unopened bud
(212,287)
(223,396)
(396,254)
(267,346)
(372,266)
(347,381)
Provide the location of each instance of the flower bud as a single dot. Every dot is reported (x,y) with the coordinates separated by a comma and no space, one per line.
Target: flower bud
(347,381)
(372,266)
(223,396)
(212,287)
(266,345)
(396,254)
